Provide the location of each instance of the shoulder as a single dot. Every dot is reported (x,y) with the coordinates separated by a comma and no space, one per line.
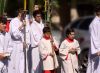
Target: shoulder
(42,41)
(14,20)
(76,41)
(95,21)
(33,27)
(64,42)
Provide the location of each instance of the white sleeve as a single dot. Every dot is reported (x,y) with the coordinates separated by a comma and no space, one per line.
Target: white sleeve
(43,50)
(35,38)
(8,45)
(63,50)
(78,47)
(1,46)
(95,36)
(16,33)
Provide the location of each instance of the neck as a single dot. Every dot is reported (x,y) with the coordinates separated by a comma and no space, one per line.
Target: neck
(69,40)
(2,32)
(45,37)
(19,17)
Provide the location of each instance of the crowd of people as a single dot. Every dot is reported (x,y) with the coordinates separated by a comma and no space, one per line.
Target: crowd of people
(29,47)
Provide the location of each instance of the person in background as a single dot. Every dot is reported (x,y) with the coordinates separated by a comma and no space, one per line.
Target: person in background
(94,51)
(47,47)
(68,52)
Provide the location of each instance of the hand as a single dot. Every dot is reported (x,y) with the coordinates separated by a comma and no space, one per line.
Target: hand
(51,54)
(72,50)
(24,23)
(98,53)
(30,21)
(2,56)
(54,47)
(24,45)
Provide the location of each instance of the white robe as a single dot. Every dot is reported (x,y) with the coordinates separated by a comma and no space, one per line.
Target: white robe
(16,63)
(94,60)
(69,61)
(4,45)
(27,42)
(36,35)
(49,62)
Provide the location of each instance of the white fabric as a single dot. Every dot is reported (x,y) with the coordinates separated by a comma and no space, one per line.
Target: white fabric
(94,60)
(16,63)
(71,63)
(4,44)
(36,35)
(27,41)
(49,62)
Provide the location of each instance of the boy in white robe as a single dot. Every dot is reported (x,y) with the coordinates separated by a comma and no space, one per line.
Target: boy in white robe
(36,35)
(4,41)
(47,47)
(94,51)
(68,52)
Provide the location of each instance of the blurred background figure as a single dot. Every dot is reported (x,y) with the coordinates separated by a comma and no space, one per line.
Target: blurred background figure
(94,51)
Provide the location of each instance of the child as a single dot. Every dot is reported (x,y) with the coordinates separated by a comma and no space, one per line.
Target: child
(4,38)
(68,52)
(47,47)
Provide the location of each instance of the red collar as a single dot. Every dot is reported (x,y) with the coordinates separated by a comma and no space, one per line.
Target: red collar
(47,38)
(70,40)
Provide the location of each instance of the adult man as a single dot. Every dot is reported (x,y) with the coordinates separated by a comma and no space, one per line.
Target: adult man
(36,35)
(94,52)
(16,63)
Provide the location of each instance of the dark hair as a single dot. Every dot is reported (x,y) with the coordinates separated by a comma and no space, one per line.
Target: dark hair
(36,12)
(3,19)
(69,30)
(97,8)
(20,10)
(46,29)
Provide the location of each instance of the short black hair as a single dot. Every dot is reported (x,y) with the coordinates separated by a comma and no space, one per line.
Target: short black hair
(3,19)
(46,29)
(36,12)
(69,30)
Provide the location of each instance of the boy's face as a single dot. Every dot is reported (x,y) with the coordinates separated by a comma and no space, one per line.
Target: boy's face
(2,27)
(71,35)
(38,18)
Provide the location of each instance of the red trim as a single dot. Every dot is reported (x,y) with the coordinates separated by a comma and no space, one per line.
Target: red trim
(7,26)
(70,40)
(49,71)
(45,37)
(66,57)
